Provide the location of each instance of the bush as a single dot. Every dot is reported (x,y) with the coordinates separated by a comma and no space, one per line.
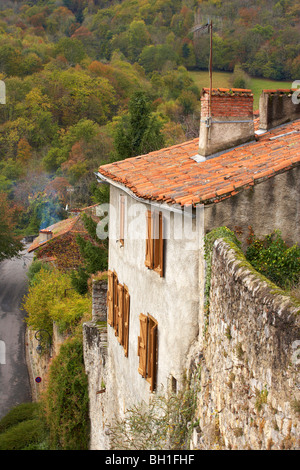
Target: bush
(35,268)
(17,414)
(22,435)
(273,258)
(23,428)
(165,423)
(66,399)
(51,297)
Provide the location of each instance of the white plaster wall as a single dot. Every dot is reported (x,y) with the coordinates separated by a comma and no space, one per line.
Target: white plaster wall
(173,300)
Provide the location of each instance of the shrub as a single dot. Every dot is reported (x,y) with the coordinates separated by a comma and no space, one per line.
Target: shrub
(35,268)
(24,428)
(66,399)
(22,412)
(273,258)
(166,422)
(23,434)
(51,298)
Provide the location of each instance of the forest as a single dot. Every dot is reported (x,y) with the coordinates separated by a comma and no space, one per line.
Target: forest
(85,77)
(90,82)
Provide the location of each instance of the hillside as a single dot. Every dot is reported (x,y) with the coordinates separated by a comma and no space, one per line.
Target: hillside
(72,66)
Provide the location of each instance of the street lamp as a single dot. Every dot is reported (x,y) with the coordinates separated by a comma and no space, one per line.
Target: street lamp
(40,337)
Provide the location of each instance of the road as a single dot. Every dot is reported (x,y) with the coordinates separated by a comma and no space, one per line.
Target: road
(14,377)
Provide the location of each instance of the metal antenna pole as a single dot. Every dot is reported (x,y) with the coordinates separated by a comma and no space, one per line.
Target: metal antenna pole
(210,80)
(210,68)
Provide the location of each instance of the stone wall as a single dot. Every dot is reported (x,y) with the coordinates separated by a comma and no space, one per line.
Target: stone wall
(249,396)
(38,363)
(95,361)
(99,289)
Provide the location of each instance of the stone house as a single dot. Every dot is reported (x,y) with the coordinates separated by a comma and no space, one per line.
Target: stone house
(57,243)
(237,174)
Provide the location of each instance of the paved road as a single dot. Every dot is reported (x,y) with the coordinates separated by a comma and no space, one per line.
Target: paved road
(14,377)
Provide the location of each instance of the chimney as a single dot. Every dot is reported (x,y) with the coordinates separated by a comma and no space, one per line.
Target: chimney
(45,235)
(226,120)
(277,107)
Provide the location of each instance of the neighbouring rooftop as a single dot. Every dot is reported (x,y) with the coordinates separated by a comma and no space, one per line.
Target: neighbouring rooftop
(72,225)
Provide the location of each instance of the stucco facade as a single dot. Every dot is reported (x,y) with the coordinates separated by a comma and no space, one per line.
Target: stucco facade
(172,299)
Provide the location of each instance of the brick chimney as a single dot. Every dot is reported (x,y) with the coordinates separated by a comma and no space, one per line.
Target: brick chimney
(277,107)
(226,120)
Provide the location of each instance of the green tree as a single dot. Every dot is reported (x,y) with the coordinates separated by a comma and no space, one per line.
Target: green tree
(71,49)
(95,254)
(139,131)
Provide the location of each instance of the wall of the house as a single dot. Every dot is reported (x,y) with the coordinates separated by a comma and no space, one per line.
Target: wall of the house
(173,301)
(272,204)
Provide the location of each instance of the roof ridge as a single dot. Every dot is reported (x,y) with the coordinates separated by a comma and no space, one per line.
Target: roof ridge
(186,142)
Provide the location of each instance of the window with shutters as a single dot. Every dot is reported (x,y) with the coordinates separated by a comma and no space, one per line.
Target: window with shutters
(155,242)
(147,349)
(118,308)
(122,219)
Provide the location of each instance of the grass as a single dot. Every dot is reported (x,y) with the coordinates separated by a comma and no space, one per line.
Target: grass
(224,80)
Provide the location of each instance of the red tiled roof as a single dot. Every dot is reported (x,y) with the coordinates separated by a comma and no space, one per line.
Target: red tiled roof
(73,224)
(58,229)
(170,175)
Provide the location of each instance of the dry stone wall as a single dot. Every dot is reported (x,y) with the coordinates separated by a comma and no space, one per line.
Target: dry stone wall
(95,361)
(249,392)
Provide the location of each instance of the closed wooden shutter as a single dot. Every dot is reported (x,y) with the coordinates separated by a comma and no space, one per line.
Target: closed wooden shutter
(142,345)
(120,312)
(152,355)
(159,245)
(122,219)
(115,309)
(110,298)
(149,260)
(126,320)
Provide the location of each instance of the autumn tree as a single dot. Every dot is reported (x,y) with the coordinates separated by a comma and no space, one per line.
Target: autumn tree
(10,244)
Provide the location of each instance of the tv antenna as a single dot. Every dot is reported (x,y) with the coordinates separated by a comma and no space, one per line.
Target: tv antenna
(201,28)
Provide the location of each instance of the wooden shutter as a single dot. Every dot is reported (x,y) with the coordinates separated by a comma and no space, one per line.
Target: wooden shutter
(142,345)
(122,219)
(159,245)
(120,313)
(152,355)
(110,299)
(149,261)
(126,320)
(115,309)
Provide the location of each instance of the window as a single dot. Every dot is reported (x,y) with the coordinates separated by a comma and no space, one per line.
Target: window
(122,219)
(147,349)
(118,303)
(155,242)
(173,385)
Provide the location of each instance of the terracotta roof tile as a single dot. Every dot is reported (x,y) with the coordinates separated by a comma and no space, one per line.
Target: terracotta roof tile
(171,175)
(71,225)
